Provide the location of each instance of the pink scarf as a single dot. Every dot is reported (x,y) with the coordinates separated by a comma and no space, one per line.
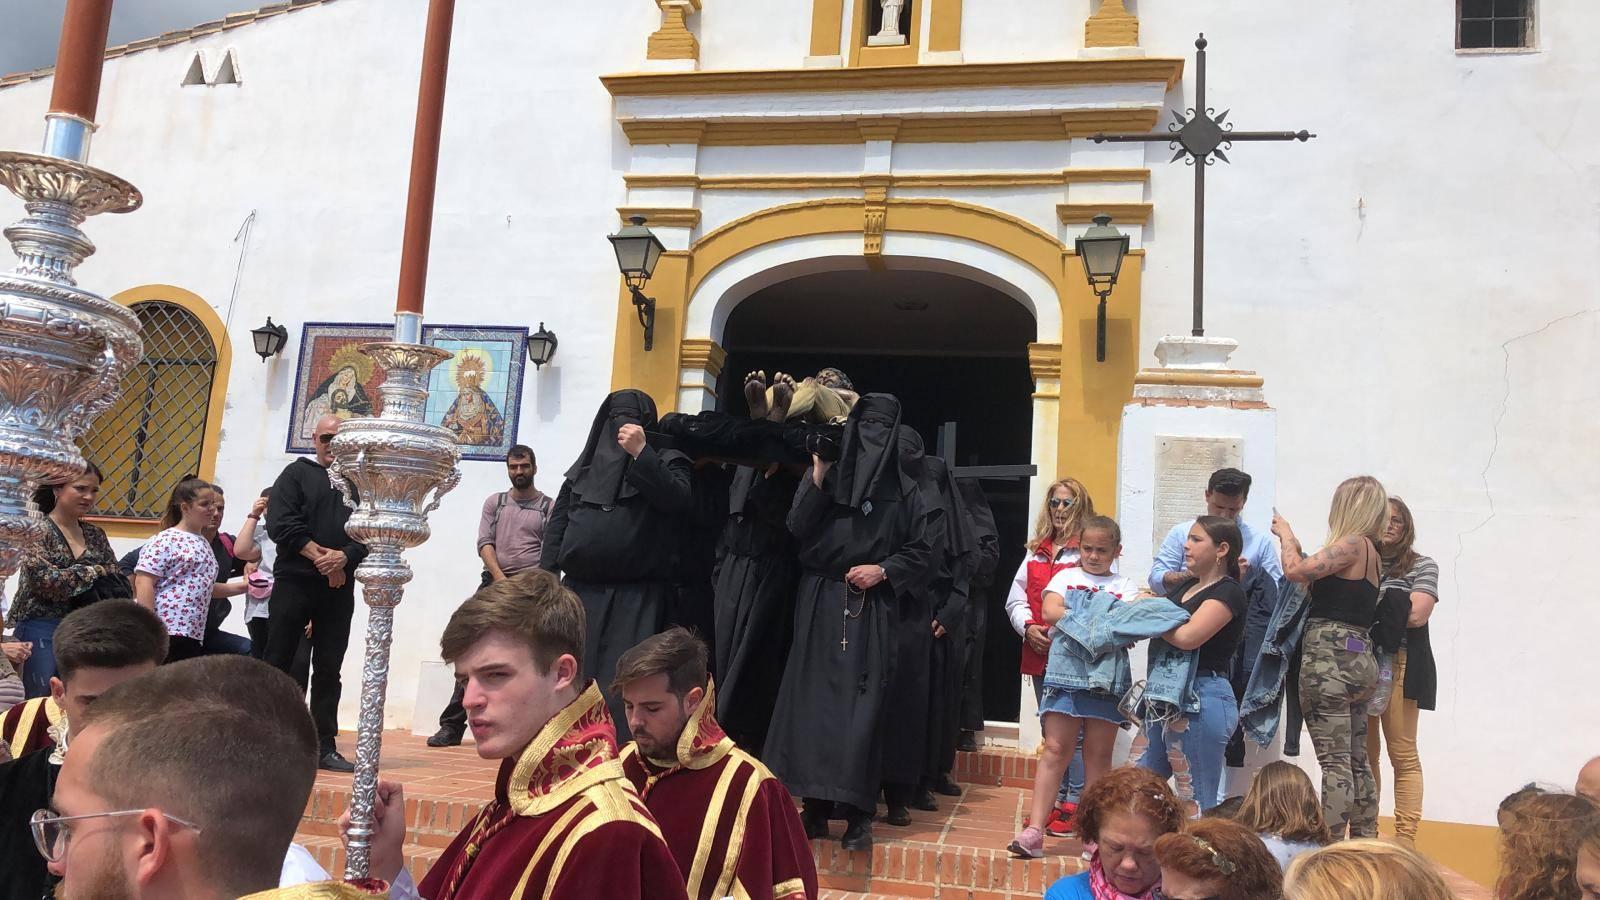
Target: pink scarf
(1102,889)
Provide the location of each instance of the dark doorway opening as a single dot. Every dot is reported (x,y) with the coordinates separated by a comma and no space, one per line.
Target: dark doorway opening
(952,350)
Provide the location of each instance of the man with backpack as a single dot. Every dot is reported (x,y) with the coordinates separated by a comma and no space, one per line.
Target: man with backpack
(510,540)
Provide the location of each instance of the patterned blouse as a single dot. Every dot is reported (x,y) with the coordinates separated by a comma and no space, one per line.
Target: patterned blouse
(52,576)
(185,568)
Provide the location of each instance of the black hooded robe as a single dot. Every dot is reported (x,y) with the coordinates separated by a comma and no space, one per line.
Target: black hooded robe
(826,732)
(614,535)
(952,610)
(979,594)
(755,589)
(907,725)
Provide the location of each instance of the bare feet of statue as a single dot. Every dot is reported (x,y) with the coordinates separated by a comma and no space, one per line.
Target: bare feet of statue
(755,393)
(782,395)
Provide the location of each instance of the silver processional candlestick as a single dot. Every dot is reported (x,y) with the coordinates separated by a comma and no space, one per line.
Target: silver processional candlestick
(63,348)
(395,460)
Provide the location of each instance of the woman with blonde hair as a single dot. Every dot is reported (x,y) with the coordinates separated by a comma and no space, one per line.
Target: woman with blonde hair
(1282,808)
(1338,670)
(1053,547)
(1364,870)
(1539,839)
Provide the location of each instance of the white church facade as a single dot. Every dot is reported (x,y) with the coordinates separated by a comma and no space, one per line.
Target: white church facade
(895,188)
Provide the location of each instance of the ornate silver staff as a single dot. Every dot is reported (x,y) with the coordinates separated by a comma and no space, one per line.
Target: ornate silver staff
(63,349)
(395,460)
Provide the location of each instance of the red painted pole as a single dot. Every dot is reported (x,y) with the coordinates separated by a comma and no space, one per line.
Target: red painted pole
(425,157)
(79,58)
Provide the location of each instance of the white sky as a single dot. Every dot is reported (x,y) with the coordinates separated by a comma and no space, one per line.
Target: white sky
(30,29)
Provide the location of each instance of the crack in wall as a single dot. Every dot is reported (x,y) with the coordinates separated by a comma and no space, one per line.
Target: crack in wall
(1488,463)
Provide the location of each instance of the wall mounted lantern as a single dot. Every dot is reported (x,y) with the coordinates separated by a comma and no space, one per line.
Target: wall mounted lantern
(1102,249)
(638,250)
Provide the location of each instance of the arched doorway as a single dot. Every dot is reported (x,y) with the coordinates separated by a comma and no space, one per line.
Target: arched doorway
(944,339)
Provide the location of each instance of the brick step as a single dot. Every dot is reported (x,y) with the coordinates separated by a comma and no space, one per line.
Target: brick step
(433,816)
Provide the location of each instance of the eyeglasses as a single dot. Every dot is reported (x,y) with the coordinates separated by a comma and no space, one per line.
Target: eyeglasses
(1061,502)
(51,837)
(325,438)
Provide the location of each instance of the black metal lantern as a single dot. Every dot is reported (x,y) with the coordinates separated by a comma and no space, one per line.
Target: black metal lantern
(269,339)
(1102,249)
(541,347)
(638,250)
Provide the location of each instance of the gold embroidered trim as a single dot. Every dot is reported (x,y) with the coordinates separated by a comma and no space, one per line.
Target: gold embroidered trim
(524,803)
(708,830)
(730,866)
(794,887)
(539,852)
(611,803)
(53,714)
(691,732)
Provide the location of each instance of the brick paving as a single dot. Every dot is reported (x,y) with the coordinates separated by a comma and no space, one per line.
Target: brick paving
(957,853)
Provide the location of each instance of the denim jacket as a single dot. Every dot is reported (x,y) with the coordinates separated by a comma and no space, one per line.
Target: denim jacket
(1262,706)
(1169,684)
(1088,647)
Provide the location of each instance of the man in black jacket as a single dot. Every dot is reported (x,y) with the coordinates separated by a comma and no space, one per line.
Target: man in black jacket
(314,581)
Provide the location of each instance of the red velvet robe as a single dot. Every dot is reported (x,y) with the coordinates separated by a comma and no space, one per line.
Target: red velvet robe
(26,727)
(731,825)
(564,824)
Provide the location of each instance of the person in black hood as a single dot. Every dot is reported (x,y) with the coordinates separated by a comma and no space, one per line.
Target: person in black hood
(906,729)
(614,535)
(862,540)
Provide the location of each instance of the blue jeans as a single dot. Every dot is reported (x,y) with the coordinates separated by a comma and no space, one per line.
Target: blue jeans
(41,665)
(1201,742)
(1072,780)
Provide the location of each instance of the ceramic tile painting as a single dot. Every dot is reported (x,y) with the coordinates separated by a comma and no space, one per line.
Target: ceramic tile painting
(478,393)
(334,376)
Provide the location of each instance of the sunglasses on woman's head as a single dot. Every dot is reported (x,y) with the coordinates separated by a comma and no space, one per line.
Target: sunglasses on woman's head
(1060,502)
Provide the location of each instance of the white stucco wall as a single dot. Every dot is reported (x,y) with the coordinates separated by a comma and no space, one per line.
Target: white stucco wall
(1417,285)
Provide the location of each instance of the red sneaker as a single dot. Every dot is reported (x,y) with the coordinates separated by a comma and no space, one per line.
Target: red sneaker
(1063,821)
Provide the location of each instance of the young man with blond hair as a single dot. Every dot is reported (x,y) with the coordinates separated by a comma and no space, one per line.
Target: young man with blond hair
(565,823)
(705,792)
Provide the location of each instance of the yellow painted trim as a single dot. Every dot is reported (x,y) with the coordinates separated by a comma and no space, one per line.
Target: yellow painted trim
(707,356)
(661,181)
(1473,851)
(1091,394)
(1084,213)
(1134,70)
(1044,361)
(944,30)
(1111,26)
(680,217)
(674,40)
(211,439)
(827,18)
(1218,378)
(932,129)
(906,180)
(906,54)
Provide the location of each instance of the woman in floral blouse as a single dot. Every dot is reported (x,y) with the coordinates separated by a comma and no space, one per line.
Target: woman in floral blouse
(70,557)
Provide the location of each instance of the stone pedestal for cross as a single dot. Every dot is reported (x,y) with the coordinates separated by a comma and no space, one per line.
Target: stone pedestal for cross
(1191,414)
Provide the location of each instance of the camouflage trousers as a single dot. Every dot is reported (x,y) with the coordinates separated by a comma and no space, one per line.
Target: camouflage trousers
(1335,684)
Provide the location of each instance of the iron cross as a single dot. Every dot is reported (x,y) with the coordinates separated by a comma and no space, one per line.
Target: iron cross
(1199,139)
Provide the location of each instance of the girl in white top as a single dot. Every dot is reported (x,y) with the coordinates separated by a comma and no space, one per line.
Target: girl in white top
(1066,716)
(177,569)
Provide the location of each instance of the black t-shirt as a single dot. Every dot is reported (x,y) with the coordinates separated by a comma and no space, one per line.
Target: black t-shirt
(1216,654)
